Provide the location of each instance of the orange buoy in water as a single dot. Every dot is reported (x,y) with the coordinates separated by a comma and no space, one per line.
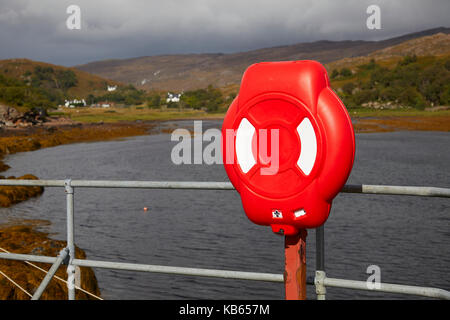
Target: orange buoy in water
(145,209)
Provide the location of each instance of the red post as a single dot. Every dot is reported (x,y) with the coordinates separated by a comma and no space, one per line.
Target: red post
(295,266)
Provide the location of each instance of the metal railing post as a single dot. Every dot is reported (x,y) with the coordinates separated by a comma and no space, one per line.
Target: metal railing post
(320,248)
(48,277)
(295,266)
(320,261)
(70,238)
(319,282)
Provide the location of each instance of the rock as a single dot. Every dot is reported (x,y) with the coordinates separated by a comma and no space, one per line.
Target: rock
(25,239)
(10,195)
(10,117)
(8,114)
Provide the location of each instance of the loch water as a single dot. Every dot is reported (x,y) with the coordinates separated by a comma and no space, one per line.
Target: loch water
(407,237)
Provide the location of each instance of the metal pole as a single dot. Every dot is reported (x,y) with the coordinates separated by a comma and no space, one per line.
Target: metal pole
(295,266)
(320,262)
(48,277)
(320,248)
(388,287)
(203,185)
(70,239)
(320,286)
(27,257)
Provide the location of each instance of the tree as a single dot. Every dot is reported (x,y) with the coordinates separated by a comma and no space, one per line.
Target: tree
(407,60)
(210,99)
(154,100)
(445,95)
(348,88)
(334,74)
(411,97)
(346,72)
(90,100)
(66,79)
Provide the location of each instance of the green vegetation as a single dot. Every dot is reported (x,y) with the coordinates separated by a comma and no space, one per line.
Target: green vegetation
(47,87)
(111,115)
(154,100)
(412,82)
(128,96)
(47,77)
(209,99)
(44,87)
(18,93)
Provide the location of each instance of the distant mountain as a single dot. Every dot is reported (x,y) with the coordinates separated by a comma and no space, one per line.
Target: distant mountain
(193,71)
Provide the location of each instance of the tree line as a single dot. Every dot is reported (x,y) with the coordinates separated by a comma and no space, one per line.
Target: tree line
(412,82)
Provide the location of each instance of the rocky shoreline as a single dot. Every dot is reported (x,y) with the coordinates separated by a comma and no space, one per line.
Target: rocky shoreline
(401,123)
(12,195)
(25,239)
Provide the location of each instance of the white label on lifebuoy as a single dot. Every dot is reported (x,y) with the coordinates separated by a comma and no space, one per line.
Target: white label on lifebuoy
(277,214)
(299,213)
(244,136)
(308,141)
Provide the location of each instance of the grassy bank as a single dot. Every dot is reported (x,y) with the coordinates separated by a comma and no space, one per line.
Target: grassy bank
(134,113)
(114,115)
(370,120)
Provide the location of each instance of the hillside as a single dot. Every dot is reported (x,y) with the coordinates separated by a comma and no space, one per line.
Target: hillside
(417,82)
(434,45)
(193,71)
(26,83)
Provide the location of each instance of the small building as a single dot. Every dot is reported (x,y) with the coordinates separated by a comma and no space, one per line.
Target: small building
(74,103)
(173,97)
(104,104)
(112,88)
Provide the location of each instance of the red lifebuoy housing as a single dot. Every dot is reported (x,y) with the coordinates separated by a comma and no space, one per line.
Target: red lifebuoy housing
(289,104)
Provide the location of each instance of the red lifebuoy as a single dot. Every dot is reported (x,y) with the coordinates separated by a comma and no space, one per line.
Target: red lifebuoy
(316,144)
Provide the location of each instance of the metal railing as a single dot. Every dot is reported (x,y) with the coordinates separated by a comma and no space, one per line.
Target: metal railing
(320,281)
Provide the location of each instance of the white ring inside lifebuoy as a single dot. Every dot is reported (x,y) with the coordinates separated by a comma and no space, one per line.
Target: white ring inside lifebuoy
(308,151)
(244,136)
(308,140)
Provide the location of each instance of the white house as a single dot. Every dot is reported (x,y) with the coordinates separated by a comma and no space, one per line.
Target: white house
(173,97)
(112,88)
(75,102)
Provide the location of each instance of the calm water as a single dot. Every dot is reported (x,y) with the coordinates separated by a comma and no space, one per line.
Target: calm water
(407,237)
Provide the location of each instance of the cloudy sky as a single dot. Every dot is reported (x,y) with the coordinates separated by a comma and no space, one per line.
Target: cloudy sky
(36,29)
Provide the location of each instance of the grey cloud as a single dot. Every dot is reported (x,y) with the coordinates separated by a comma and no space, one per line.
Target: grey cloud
(130,28)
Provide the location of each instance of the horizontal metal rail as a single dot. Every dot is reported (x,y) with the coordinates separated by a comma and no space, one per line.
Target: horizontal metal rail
(214,273)
(398,190)
(320,281)
(238,275)
(203,185)
(388,287)
(27,257)
(227,274)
